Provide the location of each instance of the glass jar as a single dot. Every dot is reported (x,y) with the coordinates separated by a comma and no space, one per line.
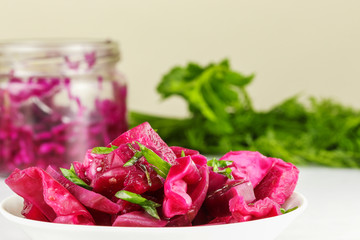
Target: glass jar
(58,99)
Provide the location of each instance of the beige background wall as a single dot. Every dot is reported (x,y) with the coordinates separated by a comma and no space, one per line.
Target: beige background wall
(308,46)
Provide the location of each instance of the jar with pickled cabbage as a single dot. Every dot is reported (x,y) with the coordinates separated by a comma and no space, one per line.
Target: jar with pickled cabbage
(58,99)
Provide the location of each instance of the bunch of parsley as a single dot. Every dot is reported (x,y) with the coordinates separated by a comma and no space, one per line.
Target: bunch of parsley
(223,119)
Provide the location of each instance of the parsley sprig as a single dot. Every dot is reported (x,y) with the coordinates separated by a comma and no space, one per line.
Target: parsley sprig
(222,118)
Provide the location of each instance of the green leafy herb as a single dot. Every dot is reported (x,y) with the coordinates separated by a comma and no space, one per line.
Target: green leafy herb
(73,177)
(222,119)
(227,172)
(183,153)
(160,166)
(148,205)
(137,155)
(147,174)
(103,150)
(216,164)
(283,211)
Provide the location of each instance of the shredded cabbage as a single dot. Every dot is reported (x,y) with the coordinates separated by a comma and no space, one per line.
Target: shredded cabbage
(37,130)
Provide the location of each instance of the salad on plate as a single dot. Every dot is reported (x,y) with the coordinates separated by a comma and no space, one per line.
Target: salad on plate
(139,181)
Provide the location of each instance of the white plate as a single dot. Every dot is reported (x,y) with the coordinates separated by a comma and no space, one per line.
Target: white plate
(268,228)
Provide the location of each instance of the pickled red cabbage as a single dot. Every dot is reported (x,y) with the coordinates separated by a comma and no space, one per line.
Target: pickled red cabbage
(88,198)
(38,130)
(263,208)
(181,188)
(30,211)
(54,201)
(279,183)
(250,165)
(126,188)
(138,219)
(145,135)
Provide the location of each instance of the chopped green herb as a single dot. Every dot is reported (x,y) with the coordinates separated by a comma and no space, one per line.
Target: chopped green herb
(227,172)
(283,211)
(183,153)
(160,166)
(103,150)
(148,205)
(134,159)
(71,175)
(147,174)
(216,164)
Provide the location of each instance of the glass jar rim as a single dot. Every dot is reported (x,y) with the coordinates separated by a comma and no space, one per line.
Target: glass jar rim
(65,45)
(22,56)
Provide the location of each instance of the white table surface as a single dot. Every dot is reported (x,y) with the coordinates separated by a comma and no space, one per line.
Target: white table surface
(333,211)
